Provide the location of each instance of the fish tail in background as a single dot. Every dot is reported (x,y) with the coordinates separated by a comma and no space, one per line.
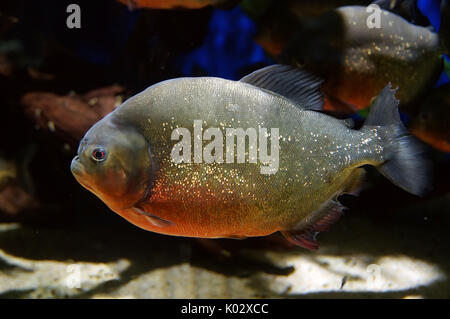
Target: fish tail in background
(406,164)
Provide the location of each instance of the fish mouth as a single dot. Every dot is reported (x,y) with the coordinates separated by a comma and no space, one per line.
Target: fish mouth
(76,167)
(79,172)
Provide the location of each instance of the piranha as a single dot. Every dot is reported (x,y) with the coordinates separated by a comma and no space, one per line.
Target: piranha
(127,158)
(430,124)
(397,51)
(355,56)
(418,12)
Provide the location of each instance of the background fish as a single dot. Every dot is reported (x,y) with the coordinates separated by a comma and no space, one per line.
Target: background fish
(17,190)
(418,12)
(8,172)
(431,122)
(125,159)
(357,61)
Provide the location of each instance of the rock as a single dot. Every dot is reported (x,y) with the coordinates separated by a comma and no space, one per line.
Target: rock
(14,199)
(72,115)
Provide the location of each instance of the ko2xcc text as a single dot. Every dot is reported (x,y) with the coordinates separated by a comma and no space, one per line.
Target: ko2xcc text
(232,308)
(246,308)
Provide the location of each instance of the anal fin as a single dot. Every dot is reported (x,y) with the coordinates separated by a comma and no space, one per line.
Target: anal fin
(334,210)
(305,236)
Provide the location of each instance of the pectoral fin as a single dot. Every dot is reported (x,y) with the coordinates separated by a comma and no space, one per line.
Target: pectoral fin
(153,219)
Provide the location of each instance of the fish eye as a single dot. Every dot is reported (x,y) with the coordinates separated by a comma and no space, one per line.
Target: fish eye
(98,154)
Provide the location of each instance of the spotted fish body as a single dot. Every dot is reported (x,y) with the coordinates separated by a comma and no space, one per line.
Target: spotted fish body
(357,57)
(397,51)
(319,157)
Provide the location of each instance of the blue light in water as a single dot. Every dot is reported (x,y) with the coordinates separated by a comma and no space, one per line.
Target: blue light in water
(445,75)
(228,47)
(432,10)
(100,41)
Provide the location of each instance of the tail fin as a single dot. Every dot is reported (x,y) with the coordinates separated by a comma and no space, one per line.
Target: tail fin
(406,165)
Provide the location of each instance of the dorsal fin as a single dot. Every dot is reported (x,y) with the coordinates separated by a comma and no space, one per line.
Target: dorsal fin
(297,85)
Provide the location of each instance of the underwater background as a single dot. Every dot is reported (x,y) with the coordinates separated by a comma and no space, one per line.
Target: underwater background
(56,82)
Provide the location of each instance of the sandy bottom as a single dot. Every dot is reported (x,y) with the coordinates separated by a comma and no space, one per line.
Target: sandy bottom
(403,256)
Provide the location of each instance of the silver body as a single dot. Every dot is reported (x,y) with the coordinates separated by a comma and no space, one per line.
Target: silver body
(319,157)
